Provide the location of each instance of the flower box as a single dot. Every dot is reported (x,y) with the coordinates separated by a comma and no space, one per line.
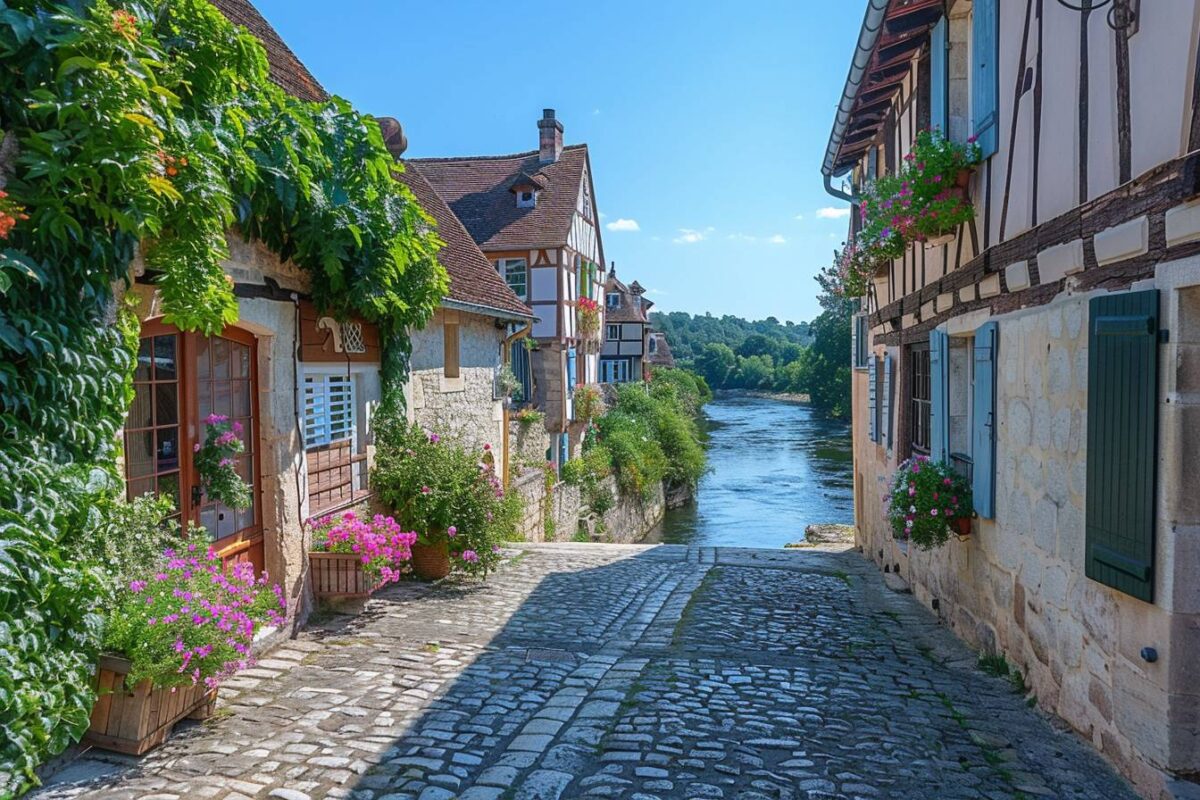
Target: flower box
(341,575)
(135,721)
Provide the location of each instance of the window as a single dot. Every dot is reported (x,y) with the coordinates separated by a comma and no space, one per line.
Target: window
(653,345)
(526,199)
(328,409)
(452,342)
(919,398)
(614,371)
(516,275)
(861,333)
(614,300)
(613,332)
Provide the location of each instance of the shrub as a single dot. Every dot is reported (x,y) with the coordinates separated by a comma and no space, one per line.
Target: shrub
(190,620)
(529,416)
(445,493)
(216,462)
(925,497)
(588,403)
(383,549)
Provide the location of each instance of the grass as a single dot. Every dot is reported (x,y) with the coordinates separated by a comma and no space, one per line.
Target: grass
(996,665)
(842,576)
(432,647)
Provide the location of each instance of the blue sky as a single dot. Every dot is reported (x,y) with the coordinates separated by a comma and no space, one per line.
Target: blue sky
(706,121)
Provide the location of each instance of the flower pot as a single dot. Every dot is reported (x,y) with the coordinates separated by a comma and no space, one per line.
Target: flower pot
(961,526)
(963,179)
(135,721)
(431,561)
(340,575)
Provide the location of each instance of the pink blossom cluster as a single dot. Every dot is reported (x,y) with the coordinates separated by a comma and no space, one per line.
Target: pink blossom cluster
(205,615)
(379,542)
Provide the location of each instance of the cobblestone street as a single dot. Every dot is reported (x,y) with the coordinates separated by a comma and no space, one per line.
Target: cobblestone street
(624,672)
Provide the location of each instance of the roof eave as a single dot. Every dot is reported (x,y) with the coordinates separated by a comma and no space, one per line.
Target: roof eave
(487,311)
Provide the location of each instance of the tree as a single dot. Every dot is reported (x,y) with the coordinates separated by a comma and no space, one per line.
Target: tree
(716,364)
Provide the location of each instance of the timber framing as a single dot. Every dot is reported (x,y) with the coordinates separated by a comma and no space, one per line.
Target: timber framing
(1150,195)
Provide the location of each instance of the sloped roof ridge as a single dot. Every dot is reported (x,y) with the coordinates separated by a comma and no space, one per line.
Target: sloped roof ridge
(526,154)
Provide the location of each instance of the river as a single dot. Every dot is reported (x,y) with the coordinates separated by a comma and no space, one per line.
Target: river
(775,466)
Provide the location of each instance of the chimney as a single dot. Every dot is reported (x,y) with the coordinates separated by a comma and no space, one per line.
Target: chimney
(549,137)
(393,135)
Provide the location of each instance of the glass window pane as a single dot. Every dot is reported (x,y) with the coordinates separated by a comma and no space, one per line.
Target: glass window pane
(241,398)
(204,399)
(139,409)
(203,358)
(142,373)
(241,360)
(139,454)
(166,404)
(223,397)
(208,519)
(167,451)
(140,487)
(164,358)
(220,356)
(226,521)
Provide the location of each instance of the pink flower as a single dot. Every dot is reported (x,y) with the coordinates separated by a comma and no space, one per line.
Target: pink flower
(933,512)
(137,586)
(470,556)
(425,490)
(451,531)
(487,447)
(196,448)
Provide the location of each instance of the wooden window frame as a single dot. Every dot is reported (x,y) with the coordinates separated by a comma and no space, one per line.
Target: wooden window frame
(452,349)
(919,398)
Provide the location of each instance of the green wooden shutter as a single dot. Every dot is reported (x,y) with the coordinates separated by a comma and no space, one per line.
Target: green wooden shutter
(1122,454)
(939,379)
(871,399)
(887,401)
(983,437)
(938,77)
(985,86)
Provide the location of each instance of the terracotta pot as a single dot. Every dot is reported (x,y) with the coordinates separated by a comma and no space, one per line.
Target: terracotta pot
(963,178)
(136,721)
(431,561)
(962,526)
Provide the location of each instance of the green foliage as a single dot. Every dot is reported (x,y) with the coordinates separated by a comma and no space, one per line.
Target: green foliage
(588,403)
(216,462)
(529,416)
(444,492)
(149,132)
(589,472)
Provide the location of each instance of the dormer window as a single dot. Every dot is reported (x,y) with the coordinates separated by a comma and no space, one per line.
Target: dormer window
(653,345)
(526,199)
(614,300)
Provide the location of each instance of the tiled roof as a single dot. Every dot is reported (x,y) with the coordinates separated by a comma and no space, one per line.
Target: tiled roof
(631,309)
(473,279)
(286,70)
(662,356)
(478,190)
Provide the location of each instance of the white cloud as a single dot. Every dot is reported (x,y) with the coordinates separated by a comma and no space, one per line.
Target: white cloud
(742,237)
(777,239)
(622,224)
(595,112)
(691,235)
(799,216)
(832,212)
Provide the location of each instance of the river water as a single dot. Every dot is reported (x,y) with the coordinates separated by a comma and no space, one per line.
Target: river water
(775,466)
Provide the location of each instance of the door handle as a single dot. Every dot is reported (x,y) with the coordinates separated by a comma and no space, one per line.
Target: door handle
(195,496)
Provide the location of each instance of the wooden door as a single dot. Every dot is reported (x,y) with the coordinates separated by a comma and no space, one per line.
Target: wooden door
(182,378)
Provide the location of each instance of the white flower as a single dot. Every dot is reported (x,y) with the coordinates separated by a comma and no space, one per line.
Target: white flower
(908,523)
(912,509)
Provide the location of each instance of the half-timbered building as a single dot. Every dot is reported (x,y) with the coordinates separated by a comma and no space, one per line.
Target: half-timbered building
(626,331)
(534,215)
(1049,348)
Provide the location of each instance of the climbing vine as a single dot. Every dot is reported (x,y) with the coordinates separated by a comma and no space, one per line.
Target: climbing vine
(136,138)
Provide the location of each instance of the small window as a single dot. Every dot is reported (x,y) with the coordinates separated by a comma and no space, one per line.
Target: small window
(453,344)
(614,300)
(615,371)
(861,334)
(920,396)
(653,345)
(613,332)
(516,274)
(526,199)
(328,409)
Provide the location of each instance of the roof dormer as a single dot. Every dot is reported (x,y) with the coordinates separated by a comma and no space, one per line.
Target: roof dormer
(527,187)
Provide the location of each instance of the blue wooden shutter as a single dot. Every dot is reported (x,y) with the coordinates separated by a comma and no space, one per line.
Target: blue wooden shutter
(983,450)
(570,369)
(938,77)
(564,450)
(939,406)
(871,399)
(886,436)
(1122,417)
(985,81)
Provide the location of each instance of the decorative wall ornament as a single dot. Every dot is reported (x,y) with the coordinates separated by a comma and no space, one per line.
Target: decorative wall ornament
(347,336)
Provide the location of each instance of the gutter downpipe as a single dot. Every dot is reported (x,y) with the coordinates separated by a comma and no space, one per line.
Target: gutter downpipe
(872,27)
(506,358)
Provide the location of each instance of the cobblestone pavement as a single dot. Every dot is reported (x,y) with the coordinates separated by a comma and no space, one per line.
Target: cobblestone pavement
(623,672)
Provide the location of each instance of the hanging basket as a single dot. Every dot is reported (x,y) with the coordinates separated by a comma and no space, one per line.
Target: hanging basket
(135,721)
(431,562)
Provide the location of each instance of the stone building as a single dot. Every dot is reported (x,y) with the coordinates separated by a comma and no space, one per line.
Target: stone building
(1049,348)
(534,216)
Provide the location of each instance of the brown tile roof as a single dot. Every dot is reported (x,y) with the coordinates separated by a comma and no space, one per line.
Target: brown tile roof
(477,189)
(631,308)
(662,356)
(473,279)
(286,70)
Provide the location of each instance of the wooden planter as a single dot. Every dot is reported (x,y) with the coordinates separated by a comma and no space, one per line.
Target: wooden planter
(340,575)
(136,721)
(431,561)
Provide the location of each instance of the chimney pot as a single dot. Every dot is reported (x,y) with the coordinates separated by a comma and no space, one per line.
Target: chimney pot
(550,137)
(393,135)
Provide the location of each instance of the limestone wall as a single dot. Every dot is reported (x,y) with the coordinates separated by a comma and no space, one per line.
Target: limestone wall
(1018,586)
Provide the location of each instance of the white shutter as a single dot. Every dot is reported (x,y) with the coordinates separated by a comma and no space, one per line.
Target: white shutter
(329,410)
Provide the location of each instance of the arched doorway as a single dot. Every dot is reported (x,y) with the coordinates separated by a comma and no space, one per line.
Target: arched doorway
(182,378)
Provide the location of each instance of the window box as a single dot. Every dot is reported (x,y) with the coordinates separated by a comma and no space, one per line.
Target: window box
(135,721)
(340,575)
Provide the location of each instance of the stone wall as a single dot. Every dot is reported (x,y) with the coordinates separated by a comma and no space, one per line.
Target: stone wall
(628,521)
(1017,586)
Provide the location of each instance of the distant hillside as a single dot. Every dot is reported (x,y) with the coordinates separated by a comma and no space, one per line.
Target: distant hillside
(687,334)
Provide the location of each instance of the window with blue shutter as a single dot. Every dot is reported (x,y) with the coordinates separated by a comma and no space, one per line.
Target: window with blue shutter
(985,81)
(939,395)
(886,437)
(939,77)
(983,435)
(564,448)
(872,366)
(570,369)
(1122,417)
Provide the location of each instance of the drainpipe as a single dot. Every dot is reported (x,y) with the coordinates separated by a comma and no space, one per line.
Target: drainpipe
(838,193)
(506,357)
(868,36)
